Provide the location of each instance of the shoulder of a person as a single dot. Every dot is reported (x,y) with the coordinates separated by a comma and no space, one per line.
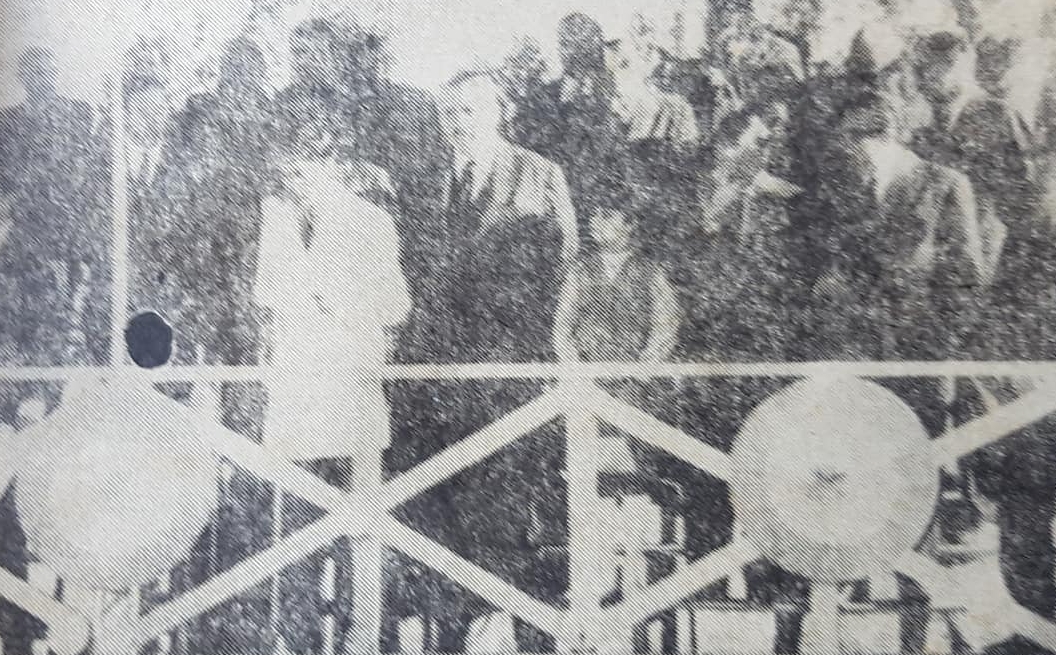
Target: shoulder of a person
(532,162)
(985,109)
(374,174)
(371,179)
(284,197)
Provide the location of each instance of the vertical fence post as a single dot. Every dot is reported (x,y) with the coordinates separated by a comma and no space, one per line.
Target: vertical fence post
(119,217)
(364,637)
(586,547)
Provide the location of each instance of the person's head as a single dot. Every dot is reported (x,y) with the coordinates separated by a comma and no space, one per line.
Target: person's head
(37,73)
(311,137)
(642,42)
(315,51)
(365,58)
(629,76)
(611,227)
(148,108)
(867,114)
(801,17)
(995,57)
(580,41)
(944,65)
(242,68)
(471,111)
(523,69)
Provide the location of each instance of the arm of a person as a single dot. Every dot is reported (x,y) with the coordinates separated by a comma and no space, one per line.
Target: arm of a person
(564,320)
(667,317)
(394,294)
(969,243)
(996,163)
(767,184)
(560,201)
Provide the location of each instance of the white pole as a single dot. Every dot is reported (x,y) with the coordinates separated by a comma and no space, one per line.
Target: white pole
(119,215)
(586,543)
(821,625)
(368,551)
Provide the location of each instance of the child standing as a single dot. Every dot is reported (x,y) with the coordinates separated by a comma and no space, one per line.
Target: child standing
(617,305)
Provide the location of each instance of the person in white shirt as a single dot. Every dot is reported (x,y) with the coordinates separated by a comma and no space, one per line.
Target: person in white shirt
(330,280)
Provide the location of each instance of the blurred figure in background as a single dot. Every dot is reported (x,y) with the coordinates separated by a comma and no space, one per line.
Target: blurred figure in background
(57,169)
(571,120)
(339,74)
(511,228)
(660,141)
(510,232)
(978,134)
(221,153)
(330,281)
(397,128)
(149,114)
(330,278)
(616,304)
(915,259)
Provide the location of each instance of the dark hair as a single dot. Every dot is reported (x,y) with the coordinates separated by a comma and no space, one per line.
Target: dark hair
(242,61)
(939,47)
(316,28)
(585,41)
(581,29)
(865,113)
(148,338)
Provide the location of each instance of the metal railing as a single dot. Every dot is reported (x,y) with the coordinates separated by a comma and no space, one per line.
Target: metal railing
(364,513)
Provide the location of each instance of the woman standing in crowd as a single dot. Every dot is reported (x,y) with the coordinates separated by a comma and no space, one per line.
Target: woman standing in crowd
(330,284)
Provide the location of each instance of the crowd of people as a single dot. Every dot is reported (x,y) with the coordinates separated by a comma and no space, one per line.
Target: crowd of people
(890,205)
(746,202)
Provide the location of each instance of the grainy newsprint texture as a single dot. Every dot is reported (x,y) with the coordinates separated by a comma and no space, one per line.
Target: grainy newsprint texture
(340,327)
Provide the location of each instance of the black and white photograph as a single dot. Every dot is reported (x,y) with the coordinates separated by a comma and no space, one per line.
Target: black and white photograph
(612,327)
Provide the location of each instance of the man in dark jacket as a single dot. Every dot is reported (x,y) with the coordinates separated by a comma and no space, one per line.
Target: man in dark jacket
(58,173)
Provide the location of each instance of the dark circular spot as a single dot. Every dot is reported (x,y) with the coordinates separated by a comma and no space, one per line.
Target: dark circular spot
(148,338)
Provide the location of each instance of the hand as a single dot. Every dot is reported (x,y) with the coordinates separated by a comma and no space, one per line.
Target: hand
(767,184)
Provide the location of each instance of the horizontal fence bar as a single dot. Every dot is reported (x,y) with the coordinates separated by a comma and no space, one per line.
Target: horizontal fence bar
(549,371)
